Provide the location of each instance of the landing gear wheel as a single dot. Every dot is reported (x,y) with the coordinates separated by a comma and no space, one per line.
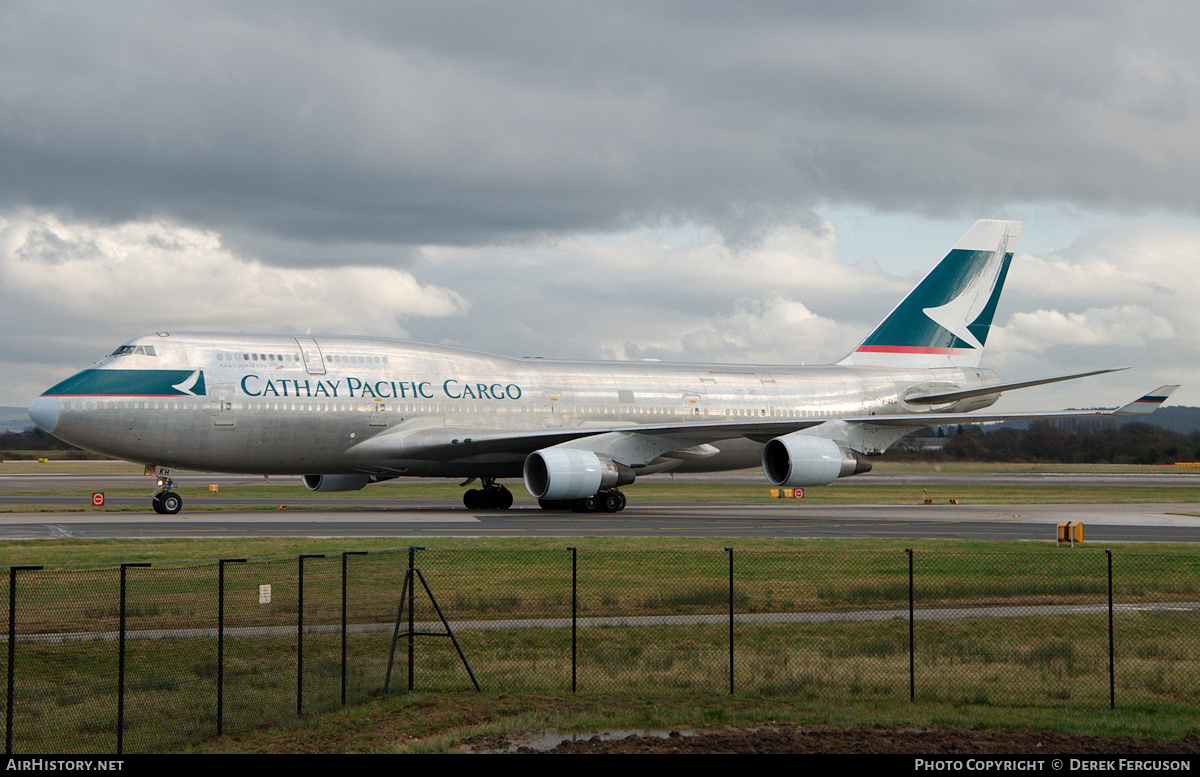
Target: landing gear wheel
(588,504)
(504,498)
(488,498)
(610,501)
(167,503)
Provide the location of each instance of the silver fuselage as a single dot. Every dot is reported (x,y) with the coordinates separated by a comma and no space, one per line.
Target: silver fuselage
(282,405)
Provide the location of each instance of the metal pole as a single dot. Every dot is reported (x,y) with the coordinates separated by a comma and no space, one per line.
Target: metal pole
(121,661)
(387,676)
(574,614)
(221,638)
(1112,682)
(412,595)
(730,552)
(300,631)
(12,643)
(912,677)
(344,554)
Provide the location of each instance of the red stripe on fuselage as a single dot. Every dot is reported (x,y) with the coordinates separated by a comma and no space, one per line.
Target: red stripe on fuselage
(909,349)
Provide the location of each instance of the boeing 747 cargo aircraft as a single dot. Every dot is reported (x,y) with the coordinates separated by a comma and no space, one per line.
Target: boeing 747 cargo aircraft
(345,412)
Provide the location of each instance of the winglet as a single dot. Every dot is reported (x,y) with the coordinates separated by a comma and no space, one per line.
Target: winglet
(1147,404)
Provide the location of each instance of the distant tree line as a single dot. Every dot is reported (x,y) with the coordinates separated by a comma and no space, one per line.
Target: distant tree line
(13,444)
(1069,441)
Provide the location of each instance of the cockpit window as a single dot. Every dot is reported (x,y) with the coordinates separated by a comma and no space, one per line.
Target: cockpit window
(145,350)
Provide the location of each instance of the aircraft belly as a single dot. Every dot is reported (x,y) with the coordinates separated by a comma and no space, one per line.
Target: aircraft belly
(738,453)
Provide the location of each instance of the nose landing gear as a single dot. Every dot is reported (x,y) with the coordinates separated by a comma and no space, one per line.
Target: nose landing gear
(164,500)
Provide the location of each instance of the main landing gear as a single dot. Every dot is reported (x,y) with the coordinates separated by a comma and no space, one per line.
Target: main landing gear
(490,497)
(165,501)
(604,502)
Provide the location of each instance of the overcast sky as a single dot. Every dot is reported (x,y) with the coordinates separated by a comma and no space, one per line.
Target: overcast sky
(686,181)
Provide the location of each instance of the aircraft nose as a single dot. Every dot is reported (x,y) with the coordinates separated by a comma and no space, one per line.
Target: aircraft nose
(43,411)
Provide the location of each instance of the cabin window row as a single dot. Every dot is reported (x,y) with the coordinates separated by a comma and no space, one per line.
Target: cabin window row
(259,357)
(337,359)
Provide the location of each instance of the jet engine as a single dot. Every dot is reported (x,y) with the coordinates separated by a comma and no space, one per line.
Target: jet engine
(336,482)
(568,473)
(800,460)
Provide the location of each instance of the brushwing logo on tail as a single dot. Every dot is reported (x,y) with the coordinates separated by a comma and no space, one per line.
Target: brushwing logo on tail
(945,320)
(970,305)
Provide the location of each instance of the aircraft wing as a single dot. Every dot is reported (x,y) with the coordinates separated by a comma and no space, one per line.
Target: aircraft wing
(1144,405)
(648,441)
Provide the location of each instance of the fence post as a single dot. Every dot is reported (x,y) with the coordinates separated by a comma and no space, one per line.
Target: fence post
(221,637)
(412,601)
(300,630)
(912,677)
(1112,683)
(730,552)
(121,660)
(574,615)
(12,656)
(344,554)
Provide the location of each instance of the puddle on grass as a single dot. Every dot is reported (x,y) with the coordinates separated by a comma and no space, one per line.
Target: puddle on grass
(549,740)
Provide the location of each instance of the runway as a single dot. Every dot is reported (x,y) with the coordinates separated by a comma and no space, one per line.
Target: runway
(364,516)
(1102,523)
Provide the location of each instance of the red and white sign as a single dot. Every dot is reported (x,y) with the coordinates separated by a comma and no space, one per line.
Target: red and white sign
(98,499)
(798,493)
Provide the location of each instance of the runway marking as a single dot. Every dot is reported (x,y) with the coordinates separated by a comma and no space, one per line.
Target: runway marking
(58,530)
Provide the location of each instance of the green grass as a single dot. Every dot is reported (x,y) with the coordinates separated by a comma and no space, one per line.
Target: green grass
(1018,662)
(1018,671)
(198,500)
(846,492)
(1012,670)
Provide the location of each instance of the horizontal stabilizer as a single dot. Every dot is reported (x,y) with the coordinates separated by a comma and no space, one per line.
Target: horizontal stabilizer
(954,396)
(1147,404)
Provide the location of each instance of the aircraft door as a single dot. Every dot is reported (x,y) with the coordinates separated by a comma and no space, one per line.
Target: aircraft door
(222,406)
(378,414)
(313,361)
(554,408)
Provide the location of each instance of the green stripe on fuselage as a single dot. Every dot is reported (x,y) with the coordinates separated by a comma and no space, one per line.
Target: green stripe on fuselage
(129,383)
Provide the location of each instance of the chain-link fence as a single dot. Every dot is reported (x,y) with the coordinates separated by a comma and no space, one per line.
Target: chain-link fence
(148,659)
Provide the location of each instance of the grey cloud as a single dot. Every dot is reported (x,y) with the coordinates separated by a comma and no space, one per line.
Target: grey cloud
(472,123)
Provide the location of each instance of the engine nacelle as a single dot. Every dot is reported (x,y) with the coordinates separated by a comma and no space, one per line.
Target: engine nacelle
(801,460)
(336,482)
(567,473)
